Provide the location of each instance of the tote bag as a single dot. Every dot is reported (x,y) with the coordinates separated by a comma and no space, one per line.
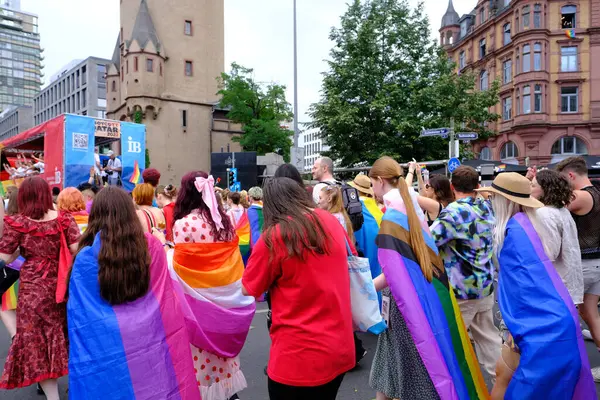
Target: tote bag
(366,316)
(65,259)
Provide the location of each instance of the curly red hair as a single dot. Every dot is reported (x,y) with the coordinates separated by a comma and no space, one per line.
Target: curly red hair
(70,200)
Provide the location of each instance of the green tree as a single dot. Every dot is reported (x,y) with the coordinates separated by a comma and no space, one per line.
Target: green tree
(260,108)
(386,81)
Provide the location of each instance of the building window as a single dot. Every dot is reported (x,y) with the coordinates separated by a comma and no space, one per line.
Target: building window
(161,69)
(122,73)
(463,28)
(461,60)
(518,63)
(506,30)
(537,16)
(568,20)
(526,58)
(537,107)
(518,102)
(507,108)
(517,26)
(537,57)
(113,86)
(526,17)
(184,121)
(482,15)
(135,64)
(189,68)
(188,28)
(527,99)
(483,80)
(149,65)
(568,59)
(569,146)
(482,48)
(509,150)
(127,66)
(569,99)
(506,71)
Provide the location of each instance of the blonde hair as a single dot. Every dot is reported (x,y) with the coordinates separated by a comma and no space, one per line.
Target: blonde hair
(244,199)
(336,205)
(390,171)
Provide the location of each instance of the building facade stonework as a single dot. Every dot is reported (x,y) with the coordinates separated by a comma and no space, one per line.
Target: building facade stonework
(546,54)
(164,68)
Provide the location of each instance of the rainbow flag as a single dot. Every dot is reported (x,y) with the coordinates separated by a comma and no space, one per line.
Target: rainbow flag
(540,315)
(256,218)
(137,350)
(570,33)
(429,309)
(9,298)
(365,236)
(81,219)
(208,284)
(242,229)
(136,175)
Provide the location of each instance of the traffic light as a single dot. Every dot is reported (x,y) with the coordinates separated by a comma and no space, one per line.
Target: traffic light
(230,177)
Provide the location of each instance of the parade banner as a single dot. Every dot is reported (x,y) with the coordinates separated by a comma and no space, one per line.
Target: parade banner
(133,153)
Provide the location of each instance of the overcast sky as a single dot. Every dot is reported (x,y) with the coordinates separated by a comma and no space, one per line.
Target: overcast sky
(258,34)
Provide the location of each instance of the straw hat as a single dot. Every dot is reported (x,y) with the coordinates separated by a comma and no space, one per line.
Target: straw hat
(515,188)
(362,183)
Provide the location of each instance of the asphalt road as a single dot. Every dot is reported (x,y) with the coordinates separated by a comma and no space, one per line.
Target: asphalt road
(254,358)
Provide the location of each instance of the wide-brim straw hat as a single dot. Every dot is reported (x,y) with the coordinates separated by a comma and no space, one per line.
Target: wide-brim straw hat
(514,187)
(362,183)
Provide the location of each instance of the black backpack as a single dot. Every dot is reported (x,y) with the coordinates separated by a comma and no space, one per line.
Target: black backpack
(352,204)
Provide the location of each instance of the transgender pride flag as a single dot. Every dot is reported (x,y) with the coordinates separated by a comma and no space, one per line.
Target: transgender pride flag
(208,283)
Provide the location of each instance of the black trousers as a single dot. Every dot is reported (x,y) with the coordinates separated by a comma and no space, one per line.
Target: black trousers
(328,391)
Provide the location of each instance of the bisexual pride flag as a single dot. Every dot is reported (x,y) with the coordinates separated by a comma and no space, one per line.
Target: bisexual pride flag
(540,315)
(429,309)
(208,284)
(137,350)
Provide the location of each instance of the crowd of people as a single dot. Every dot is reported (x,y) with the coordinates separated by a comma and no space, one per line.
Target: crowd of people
(150,294)
(25,166)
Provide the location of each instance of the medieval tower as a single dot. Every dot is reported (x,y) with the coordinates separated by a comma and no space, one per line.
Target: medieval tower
(164,69)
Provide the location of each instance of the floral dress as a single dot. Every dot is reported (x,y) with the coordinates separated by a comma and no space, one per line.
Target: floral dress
(219,378)
(39,350)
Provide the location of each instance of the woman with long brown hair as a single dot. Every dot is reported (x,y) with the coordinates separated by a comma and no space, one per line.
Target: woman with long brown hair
(39,349)
(311,302)
(418,357)
(122,314)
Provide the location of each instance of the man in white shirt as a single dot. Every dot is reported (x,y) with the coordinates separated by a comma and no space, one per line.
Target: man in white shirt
(322,171)
(113,169)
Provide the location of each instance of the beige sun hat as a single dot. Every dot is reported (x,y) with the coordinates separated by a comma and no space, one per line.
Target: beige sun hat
(514,187)
(362,183)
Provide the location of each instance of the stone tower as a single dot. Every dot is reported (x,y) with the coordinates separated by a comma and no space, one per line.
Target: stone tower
(450,29)
(164,69)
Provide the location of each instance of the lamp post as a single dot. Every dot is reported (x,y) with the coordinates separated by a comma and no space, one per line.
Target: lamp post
(296,132)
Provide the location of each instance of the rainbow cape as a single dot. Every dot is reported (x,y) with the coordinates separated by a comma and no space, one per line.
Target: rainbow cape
(208,285)
(255,216)
(138,350)
(9,298)
(542,319)
(242,229)
(136,174)
(429,309)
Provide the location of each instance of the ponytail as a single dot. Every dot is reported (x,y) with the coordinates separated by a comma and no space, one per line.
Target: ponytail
(417,240)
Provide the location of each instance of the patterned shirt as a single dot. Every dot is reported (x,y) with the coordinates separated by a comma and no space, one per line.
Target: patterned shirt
(464,234)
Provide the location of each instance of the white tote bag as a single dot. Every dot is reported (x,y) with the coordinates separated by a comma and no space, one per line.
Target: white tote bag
(366,316)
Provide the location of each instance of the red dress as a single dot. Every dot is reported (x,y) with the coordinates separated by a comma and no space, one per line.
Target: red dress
(39,350)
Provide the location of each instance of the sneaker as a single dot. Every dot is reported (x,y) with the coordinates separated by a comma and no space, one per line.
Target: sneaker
(587,335)
(596,374)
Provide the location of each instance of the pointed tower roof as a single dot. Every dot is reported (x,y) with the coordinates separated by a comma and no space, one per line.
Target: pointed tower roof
(451,17)
(116,58)
(143,29)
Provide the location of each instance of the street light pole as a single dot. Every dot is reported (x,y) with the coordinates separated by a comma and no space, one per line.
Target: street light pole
(296,131)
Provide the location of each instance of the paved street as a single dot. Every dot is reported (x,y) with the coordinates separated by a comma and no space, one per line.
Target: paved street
(254,359)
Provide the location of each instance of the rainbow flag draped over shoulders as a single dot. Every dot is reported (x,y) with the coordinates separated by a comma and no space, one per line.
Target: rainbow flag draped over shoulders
(138,350)
(9,298)
(242,229)
(256,219)
(540,315)
(208,284)
(429,309)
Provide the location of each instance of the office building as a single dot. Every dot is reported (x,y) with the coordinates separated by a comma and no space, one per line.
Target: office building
(79,88)
(15,120)
(542,52)
(313,147)
(20,55)
(164,69)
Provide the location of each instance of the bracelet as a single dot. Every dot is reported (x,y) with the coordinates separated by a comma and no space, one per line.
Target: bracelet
(410,172)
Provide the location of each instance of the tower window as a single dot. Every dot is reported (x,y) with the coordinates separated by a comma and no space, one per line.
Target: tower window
(149,65)
(482,48)
(184,121)
(189,68)
(135,64)
(113,86)
(188,28)
(568,20)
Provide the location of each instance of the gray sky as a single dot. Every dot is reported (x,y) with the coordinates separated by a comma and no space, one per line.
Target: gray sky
(258,34)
